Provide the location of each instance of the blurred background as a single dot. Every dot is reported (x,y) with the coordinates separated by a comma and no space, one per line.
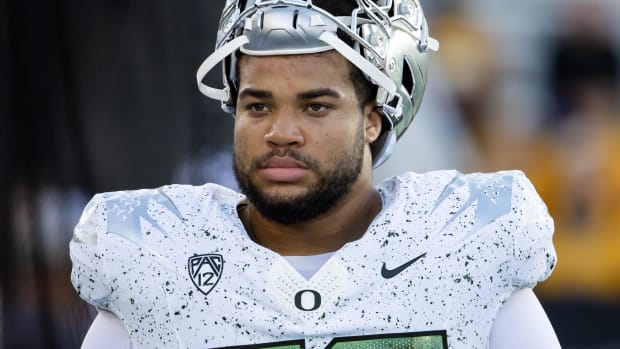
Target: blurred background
(100,95)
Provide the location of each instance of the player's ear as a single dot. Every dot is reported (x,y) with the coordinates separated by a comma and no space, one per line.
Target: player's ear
(372,123)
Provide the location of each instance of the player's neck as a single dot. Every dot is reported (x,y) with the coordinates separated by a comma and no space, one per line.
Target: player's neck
(345,222)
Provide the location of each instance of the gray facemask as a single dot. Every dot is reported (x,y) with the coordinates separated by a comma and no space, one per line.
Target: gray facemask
(390,50)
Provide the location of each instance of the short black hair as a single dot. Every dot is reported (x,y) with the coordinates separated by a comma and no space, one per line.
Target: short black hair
(365,91)
(337,7)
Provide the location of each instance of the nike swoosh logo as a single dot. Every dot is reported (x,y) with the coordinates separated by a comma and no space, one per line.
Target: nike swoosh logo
(390,273)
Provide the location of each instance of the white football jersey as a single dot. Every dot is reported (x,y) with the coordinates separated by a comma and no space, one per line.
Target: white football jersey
(177,267)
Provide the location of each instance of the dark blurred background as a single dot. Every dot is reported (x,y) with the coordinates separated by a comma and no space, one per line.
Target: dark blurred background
(100,95)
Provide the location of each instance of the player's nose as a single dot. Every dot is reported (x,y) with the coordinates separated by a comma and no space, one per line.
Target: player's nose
(285,130)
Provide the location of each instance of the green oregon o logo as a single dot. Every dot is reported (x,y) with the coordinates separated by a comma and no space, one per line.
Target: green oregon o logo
(307,300)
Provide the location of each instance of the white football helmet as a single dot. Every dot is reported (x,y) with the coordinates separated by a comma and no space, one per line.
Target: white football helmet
(390,45)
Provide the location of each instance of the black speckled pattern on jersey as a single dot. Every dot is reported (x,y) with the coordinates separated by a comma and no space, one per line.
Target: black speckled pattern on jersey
(483,236)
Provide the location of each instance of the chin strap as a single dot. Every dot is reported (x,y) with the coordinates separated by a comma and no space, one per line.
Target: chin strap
(386,144)
(356,59)
(210,62)
(350,54)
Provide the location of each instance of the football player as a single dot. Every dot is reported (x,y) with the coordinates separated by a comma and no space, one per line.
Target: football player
(311,254)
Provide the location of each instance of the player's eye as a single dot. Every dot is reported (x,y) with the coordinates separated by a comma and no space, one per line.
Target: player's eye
(317,108)
(257,107)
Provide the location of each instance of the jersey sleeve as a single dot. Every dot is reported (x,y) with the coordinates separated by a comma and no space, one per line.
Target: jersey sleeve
(89,274)
(106,332)
(534,256)
(522,323)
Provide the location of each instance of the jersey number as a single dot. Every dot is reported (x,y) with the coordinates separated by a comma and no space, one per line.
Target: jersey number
(416,340)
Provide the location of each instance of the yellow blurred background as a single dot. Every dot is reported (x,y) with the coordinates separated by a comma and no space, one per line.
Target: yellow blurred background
(101,96)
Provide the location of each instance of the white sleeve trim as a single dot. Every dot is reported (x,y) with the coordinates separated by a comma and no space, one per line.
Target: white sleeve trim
(522,323)
(106,332)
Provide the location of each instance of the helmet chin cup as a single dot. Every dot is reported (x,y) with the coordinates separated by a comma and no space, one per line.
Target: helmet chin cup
(390,46)
(383,147)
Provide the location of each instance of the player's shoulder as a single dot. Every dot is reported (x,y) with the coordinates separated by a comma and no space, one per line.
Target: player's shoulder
(180,199)
(179,195)
(441,177)
(124,233)
(171,192)
(450,194)
(439,180)
(497,212)
(447,182)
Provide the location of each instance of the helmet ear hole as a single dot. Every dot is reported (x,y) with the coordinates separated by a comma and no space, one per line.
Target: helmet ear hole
(407,78)
(295,15)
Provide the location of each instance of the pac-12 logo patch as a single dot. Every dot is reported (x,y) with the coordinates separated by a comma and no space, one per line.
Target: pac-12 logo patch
(205,271)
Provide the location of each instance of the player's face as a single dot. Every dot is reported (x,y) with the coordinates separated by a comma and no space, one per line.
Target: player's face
(300,134)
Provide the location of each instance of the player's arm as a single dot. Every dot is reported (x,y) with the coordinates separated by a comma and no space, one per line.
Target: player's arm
(106,332)
(522,323)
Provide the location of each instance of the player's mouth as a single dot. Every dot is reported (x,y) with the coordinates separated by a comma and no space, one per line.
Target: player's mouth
(283,169)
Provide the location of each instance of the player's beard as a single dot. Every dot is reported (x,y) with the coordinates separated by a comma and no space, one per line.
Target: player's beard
(332,184)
